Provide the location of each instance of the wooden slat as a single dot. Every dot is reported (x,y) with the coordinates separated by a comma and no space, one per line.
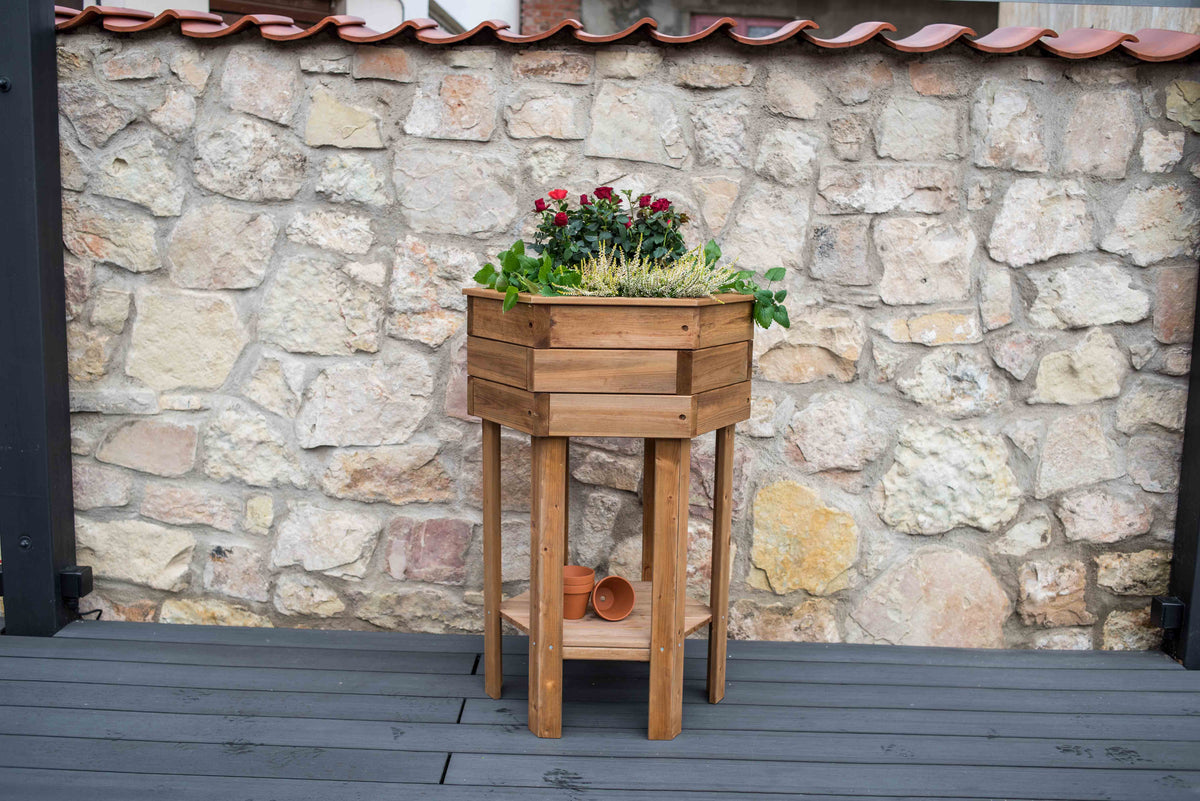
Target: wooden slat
(632,633)
(620,415)
(987,724)
(246,678)
(630,743)
(719,583)
(720,325)
(238,656)
(763,776)
(655,327)
(31,784)
(227,759)
(610,686)
(492,578)
(669,589)
(278,702)
(604,371)
(524,324)
(853,653)
(502,362)
(548,531)
(815,674)
(508,406)
(712,368)
(722,407)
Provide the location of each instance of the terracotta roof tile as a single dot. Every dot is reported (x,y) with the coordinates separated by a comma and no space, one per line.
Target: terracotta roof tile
(1150,44)
(862,32)
(1085,42)
(1009,40)
(1155,44)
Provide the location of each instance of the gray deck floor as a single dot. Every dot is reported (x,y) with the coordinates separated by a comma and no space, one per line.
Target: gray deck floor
(129,711)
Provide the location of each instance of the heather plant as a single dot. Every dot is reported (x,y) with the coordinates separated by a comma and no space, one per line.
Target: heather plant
(631,247)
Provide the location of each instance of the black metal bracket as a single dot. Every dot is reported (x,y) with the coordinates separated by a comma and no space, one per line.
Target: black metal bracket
(1166,612)
(75,582)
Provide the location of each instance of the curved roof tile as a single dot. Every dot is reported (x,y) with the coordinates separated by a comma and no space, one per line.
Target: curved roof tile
(929,38)
(862,32)
(1009,40)
(1155,44)
(1150,44)
(1086,42)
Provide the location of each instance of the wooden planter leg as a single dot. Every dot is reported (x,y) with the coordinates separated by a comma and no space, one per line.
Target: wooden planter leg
(566,548)
(671,469)
(648,510)
(547,530)
(493,669)
(719,591)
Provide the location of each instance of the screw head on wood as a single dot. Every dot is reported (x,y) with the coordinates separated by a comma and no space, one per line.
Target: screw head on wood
(25,543)
(5,84)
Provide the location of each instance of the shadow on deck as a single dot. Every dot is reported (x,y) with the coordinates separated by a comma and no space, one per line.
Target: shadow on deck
(132,711)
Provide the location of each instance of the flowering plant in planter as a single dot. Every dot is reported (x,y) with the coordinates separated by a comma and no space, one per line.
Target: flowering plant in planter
(613,244)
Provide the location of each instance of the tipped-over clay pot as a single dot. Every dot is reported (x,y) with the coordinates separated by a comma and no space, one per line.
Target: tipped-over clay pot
(577,586)
(613,598)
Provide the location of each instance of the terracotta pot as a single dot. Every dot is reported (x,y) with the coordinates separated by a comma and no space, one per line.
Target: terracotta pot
(575,575)
(575,603)
(577,587)
(613,598)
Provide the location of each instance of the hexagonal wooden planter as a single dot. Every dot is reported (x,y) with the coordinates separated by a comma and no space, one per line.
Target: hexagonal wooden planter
(665,370)
(625,367)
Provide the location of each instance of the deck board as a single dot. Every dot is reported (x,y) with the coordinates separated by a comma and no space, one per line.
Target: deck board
(139,710)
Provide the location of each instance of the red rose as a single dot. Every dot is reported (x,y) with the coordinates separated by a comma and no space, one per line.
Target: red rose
(583,200)
(644,201)
(539,204)
(604,192)
(558,194)
(629,223)
(662,204)
(560,219)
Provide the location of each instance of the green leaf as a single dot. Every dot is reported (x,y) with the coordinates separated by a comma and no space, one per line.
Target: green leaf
(518,247)
(780,295)
(501,282)
(510,261)
(764,296)
(781,316)
(485,272)
(776,273)
(762,314)
(712,251)
(510,298)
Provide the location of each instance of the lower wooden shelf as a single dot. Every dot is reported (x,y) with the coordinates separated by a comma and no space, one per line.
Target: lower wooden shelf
(592,637)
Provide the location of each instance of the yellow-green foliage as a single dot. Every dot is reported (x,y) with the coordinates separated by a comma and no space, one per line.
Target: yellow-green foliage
(610,275)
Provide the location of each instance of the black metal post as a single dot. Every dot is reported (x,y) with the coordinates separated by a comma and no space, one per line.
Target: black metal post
(37,530)
(1183,641)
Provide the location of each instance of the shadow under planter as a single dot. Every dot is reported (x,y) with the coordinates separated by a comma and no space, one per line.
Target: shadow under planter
(664,370)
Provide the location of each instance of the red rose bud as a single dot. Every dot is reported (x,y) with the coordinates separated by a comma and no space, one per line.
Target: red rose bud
(629,223)
(560,219)
(558,194)
(583,200)
(604,192)
(539,204)
(644,201)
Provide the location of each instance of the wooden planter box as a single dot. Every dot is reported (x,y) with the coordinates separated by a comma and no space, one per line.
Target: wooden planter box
(609,367)
(663,370)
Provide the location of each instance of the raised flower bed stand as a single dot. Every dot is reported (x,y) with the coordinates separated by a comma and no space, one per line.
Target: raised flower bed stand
(663,370)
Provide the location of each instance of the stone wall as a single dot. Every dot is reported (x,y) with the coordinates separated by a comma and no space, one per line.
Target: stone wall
(969,436)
